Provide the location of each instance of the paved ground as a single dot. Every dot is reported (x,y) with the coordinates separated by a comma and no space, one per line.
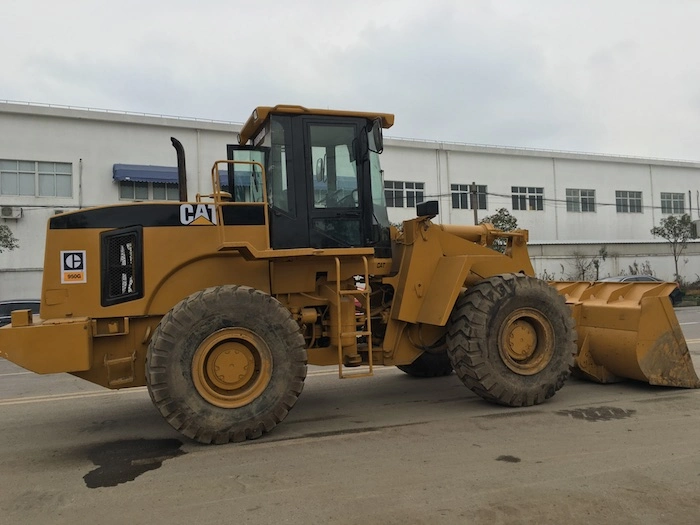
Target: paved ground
(386,450)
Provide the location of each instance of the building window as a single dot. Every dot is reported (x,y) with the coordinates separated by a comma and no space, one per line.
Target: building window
(144,191)
(36,179)
(628,201)
(462,196)
(528,198)
(414,193)
(165,191)
(395,196)
(133,190)
(393,193)
(580,200)
(673,203)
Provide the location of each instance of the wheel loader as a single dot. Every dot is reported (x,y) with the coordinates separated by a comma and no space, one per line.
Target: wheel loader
(218,304)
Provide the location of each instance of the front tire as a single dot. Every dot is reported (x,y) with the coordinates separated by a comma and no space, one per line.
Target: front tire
(512,340)
(226,364)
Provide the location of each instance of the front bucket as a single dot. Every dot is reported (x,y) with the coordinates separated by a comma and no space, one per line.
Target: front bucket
(629,331)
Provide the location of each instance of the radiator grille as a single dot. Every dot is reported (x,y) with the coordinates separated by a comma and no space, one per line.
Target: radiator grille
(122,278)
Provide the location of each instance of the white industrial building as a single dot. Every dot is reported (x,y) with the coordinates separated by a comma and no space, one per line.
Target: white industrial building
(574,205)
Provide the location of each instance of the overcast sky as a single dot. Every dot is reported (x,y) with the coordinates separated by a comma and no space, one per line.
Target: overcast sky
(615,76)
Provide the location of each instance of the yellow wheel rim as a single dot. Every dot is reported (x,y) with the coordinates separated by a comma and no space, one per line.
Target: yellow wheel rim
(232,367)
(526,341)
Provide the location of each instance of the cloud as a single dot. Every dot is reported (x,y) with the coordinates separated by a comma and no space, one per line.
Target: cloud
(612,78)
(456,78)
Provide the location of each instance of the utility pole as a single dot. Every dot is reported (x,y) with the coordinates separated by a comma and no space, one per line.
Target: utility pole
(472,191)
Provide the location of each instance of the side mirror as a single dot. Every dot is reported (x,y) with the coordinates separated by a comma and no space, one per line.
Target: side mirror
(376,139)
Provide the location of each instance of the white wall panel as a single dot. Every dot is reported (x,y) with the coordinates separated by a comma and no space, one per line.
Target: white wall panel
(94,141)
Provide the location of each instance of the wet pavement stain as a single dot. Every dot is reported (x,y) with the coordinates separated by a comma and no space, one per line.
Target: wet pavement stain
(508,459)
(594,414)
(122,461)
(99,426)
(509,414)
(333,433)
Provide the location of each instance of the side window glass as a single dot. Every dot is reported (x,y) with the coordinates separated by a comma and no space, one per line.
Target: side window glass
(247,183)
(277,175)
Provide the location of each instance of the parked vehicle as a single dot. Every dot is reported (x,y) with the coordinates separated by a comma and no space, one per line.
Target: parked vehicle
(218,305)
(6,308)
(676,296)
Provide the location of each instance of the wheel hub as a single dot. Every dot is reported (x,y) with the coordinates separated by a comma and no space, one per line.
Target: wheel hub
(526,341)
(522,340)
(232,367)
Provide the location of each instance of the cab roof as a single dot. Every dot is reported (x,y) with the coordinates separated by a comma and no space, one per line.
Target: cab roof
(261,113)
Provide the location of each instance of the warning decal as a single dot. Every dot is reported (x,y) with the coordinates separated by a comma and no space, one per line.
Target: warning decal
(73,267)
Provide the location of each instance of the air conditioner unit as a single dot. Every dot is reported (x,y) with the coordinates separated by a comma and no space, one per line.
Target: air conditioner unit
(695,229)
(10,212)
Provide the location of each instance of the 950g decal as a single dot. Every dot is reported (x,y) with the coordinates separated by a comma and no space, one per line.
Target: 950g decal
(73,267)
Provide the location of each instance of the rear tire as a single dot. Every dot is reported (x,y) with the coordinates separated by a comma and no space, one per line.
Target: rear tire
(428,365)
(226,364)
(512,340)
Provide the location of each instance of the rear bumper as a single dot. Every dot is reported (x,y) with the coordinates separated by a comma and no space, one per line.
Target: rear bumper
(49,347)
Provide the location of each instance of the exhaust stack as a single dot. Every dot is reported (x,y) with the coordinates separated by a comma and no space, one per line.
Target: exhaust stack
(181,170)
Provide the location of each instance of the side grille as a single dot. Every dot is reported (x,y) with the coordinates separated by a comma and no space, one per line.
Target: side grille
(122,265)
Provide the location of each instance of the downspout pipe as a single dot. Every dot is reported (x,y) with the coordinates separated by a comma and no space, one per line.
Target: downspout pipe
(181,170)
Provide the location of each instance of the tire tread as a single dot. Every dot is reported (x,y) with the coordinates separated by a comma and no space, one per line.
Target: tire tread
(177,323)
(468,335)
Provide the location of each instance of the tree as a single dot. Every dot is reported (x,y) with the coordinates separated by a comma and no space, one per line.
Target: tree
(677,231)
(7,240)
(588,268)
(504,221)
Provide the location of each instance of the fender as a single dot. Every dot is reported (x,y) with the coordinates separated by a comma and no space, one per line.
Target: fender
(436,264)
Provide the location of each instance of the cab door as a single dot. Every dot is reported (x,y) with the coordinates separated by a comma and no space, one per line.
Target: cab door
(333,175)
(286,198)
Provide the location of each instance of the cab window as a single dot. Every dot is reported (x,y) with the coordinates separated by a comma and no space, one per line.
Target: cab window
(334,166)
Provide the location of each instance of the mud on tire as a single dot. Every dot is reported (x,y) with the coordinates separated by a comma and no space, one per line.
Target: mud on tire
(226,364)
(511,339)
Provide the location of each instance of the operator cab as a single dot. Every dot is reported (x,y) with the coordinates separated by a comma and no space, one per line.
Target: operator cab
(323,181)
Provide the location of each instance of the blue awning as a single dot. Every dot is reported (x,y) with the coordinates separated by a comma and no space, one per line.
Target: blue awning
(141,173)
(242,177)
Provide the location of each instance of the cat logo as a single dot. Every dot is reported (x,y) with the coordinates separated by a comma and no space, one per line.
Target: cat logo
(73,267)
(198,214)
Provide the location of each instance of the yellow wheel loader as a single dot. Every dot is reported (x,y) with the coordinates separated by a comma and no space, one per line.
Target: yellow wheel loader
(218,303)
